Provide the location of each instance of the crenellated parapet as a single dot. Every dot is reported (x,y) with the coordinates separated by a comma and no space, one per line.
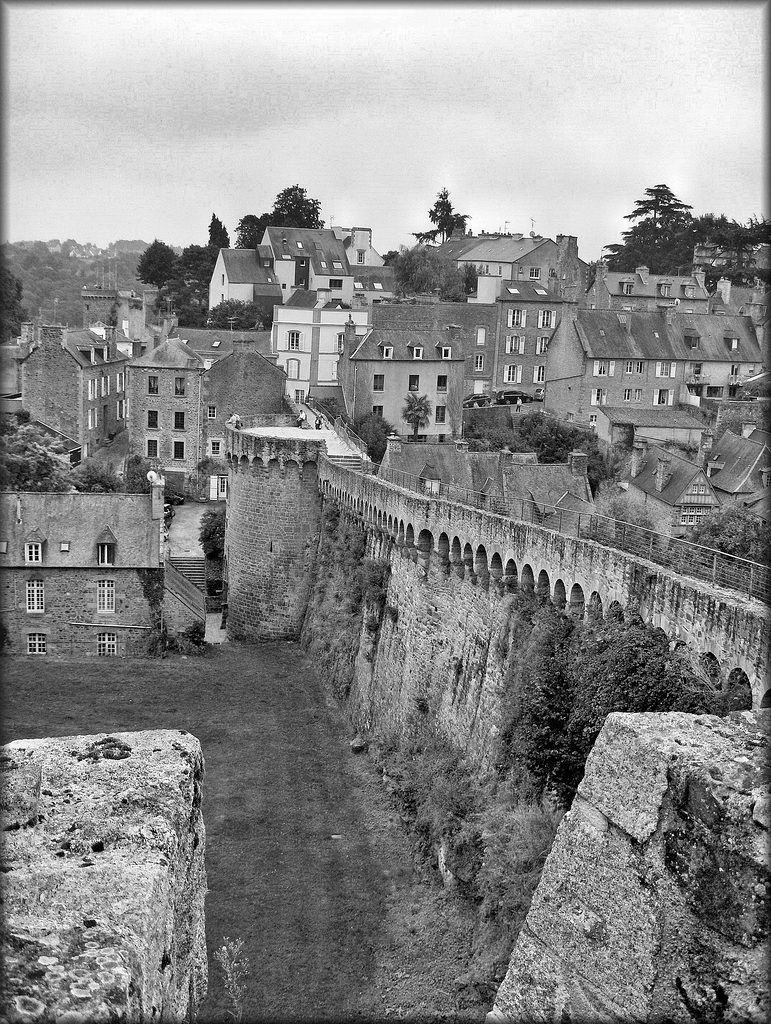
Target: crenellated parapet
(243,447)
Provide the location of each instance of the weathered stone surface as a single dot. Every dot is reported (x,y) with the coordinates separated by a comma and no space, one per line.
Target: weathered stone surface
(662,914)
(103,891)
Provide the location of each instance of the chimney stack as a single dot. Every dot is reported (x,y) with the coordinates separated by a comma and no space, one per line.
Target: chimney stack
(724,287)
(393,444)
(639,451)
(700,277)
(156,489)
(350,334)
(705,446)
(662,472)
(669,315)
(643,272)
(578,462)
(27,333)
(747,429)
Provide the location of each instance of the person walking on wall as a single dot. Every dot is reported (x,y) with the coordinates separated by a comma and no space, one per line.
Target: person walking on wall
(318,423)
(519,403)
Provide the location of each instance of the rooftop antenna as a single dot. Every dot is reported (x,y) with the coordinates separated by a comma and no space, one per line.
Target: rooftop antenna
(232,320)
(532,228)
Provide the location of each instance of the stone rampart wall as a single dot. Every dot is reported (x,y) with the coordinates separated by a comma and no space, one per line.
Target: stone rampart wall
(103,878)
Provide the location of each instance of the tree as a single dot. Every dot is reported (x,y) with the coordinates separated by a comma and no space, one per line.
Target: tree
(240,316)
(212,533)
(389,257)
(30,460)
(470,276)
(416,412)
(250,230)
(135,476)
(443,215)
(735,531)
(374,431)
(731,248)
(661,207)
(293,209)
(218,236)
(662,239)
(157,263)
(422,269)
(92,477)
(12,312)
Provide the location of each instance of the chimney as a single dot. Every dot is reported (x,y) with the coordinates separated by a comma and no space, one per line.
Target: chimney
(724,287)
(747,429)
(568,272)
(393,444)
(136,349)
(669,315)
(705,446)
(602,271)
(662,472)
(350,334)
(639,451)
(27,333)
(700,277)
(578,462)
(156,490)
(322,297)
(643,272)
(461,446)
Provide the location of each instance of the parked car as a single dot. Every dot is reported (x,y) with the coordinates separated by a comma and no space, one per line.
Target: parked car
(539,395)
(476,401)
(170,498)
(510,396)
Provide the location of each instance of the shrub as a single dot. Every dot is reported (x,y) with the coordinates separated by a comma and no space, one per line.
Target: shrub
(212,532)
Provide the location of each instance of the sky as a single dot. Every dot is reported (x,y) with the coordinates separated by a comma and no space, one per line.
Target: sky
(141,120)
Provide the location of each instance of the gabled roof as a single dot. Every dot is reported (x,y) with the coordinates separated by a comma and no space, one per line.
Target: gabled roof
(308,298)
(649,286)
(76,341)
(546,484)
(456,248)
(603,335)
(436,316)
(170,354)
(319,245)
(403,341)
(506,249)
(681,474)
(741,459)
(527,291)
(243,267)
(370,277)
(443,462)
(218,343)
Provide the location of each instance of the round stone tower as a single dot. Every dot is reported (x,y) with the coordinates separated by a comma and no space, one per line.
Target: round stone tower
(271,532)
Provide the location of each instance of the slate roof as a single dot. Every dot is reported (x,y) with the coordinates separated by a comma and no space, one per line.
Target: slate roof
(742,459)
(77,340)
(403,341)
(436,315)
(456,248)
(604,336)
(759,503)
(243,267)
(170,354)
(527,291)
(368,277)
(546,484)
(664,416)
(502,250)
(204,342)
(80,519)
(649,288)
(681,473)
(317,244)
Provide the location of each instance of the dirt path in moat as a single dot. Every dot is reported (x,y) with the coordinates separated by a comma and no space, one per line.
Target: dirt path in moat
(306,859)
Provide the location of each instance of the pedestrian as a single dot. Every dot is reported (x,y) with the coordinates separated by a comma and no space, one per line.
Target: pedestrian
(318,423)
(237,424)
(519,403)
(223,623)
(301,418)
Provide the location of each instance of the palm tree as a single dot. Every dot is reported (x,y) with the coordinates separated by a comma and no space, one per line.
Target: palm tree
(417,412)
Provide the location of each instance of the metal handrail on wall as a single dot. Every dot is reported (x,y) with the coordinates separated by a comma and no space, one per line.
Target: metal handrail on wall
(715,567)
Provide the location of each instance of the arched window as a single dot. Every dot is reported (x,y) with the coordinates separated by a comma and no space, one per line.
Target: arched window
(293,368)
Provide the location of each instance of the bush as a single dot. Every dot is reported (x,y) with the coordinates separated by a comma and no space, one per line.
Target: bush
(374,431)
(212,533)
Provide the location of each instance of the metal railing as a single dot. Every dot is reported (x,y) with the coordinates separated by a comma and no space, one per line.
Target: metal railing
(681,556)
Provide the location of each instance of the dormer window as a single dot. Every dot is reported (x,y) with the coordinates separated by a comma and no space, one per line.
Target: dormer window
(378,287)
(446,352)
(689,291)
(627,287)
(105,554)
(337,265)
(388,352)
(417,352)
(300,245)
(323,264)
(358,284)
(33,552)
(666,290)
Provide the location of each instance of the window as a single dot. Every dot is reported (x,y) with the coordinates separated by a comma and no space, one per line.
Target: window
(552,272)
(179,421)
(541,345)
(152,418)
(293,341)
(120,409)
(663,396)
(481,335)
(340,341)
(36,643)
(570,417)
(211,412)
(293,369)
(359,256)
(216,448)
(377,410)
(333,371)
(300,245)
(627,288)
(714,392)
(693,340)
(107,644)
(666,290)
(515,344)
(535,273)
(440,414)
(105,554)
(512,374)
(414,382)
(179,386)
(152,448)
(627,394)
(446,352)
(377,286)
(441,382)
(64,545)
(628,365)
(479,363)
(322,264)
(105,596)
(539,374)
(336,265)
(546,317)
(604,367)
(388,352)
(733,343)
(179,450)
(216,344)
(91,390)
(638,394)
(417,352)
(689,291)
(640,368)
(33,552)
(694,369)
(152,385)
(599,396)
(336,283)
(105,386)
(93,419)
(378,382)
(665,369)
(35,596)
(516,318)
(299,395)
(593,421)
(692,514)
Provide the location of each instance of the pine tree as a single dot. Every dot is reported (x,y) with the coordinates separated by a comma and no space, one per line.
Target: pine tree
(218,236)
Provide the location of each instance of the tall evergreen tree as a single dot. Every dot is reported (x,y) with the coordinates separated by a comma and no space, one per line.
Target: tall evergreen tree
(218,236)
(443,215)
(157,264)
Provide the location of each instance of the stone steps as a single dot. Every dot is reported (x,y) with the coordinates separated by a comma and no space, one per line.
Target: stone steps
(353,462)
(193,568)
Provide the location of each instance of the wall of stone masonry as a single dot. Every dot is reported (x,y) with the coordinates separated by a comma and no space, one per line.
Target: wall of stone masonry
(653,902)
(103,878)
(271,534)
(51,385)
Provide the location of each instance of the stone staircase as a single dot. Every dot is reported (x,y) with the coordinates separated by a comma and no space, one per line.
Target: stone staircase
(194,569)
(353,462)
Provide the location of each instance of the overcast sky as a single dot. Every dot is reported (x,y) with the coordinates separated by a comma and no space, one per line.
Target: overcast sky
(139,121)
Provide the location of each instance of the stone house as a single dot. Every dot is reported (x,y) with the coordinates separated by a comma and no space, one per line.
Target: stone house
(178,408)
(307,339)
(82,574)
(657,424)
(738,466)
(245,275)
(675,492)
(379,370)
(75,382)
(642,291)
(630,359)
